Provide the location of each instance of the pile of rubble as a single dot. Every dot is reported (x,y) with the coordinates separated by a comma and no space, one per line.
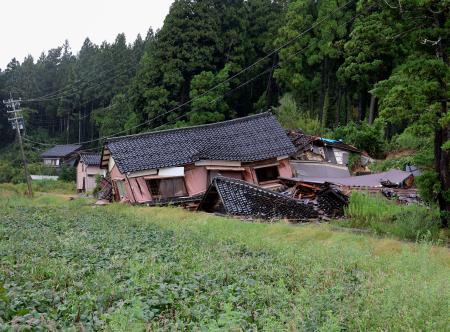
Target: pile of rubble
(299,203)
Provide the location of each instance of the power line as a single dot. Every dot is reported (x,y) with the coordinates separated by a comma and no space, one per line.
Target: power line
(68,86)
(264,57)
(18,124)
(232,77)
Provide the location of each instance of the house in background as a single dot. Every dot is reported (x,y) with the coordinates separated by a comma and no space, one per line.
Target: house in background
(61,154)
(87,170)
(315,148)
(321,157)
(180,163)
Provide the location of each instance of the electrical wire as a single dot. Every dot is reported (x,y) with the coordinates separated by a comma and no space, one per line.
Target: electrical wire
(227,80)
(67,87)
(317,23)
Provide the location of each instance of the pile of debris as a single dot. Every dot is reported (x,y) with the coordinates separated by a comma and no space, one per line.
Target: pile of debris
(239,198)
(327,199)
(315,148)
(393,184)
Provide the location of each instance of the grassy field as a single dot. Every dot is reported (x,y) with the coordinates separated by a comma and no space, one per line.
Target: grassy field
(67,264)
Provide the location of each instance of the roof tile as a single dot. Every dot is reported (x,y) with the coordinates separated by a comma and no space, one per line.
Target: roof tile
(247,139)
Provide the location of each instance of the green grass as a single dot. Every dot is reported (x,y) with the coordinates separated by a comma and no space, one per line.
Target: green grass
(386,217)
(66,264)
(44,186)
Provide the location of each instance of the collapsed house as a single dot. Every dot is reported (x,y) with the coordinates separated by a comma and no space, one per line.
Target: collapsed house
(392,184)
(61,154)
(326,157)
(241,199)
(319,149)
(88,169)
(179,164)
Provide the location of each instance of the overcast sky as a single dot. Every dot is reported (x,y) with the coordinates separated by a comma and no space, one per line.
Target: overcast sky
(33,26)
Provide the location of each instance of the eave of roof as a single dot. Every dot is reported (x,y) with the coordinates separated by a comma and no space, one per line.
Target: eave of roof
(60,151)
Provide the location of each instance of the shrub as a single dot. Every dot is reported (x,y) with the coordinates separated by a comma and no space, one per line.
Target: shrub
(417,223)
(384,217)
(68,173)
(369,138)
(429,186)
(291,116)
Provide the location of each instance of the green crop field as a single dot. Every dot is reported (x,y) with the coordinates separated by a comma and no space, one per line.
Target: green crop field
(68,265)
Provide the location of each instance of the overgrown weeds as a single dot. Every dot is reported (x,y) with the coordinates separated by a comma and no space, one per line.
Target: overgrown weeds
(384,217)
(69,265)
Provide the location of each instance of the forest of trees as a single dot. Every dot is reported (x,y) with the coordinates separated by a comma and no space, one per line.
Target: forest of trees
(372,72)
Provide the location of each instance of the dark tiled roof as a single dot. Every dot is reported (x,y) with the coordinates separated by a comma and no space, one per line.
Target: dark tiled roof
(90,159)
(302,142)
(59,151)
(247,139)
(239,198)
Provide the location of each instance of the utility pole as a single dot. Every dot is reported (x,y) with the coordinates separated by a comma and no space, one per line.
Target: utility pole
(17,123)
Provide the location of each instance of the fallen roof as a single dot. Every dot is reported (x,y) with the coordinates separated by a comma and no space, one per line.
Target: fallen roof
(239,198)
(318,169)
(59,151)
(247,139)
(393,176)
(90,159)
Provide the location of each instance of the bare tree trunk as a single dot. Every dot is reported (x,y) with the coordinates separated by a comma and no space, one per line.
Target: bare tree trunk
(442,135)
(338,108)
(373,106)
(68,129)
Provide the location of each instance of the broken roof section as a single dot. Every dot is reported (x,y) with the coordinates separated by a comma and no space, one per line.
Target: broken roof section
(395,178)
(303,141)
(252,138)
(317,169)
(239,198)
(61,151)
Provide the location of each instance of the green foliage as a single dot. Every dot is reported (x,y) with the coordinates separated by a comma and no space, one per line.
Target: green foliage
(42,186)
(369,138)
(98,188)
(11,164)
(209,107)
(411,222)
(429,186)
(292,117)
(65,265)
(67,173)
(412,89)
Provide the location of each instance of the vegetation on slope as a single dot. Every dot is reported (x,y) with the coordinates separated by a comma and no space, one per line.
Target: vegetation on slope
(68,264)
(384,217)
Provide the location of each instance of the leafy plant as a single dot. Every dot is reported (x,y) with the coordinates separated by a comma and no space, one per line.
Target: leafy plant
(369,138)
(291,116)
(411,222)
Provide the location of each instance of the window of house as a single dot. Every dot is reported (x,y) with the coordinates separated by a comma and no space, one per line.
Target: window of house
(167,188)
(51,162)
(265,174)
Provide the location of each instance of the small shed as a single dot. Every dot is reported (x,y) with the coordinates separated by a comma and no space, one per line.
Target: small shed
(87,169)
(61,154)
